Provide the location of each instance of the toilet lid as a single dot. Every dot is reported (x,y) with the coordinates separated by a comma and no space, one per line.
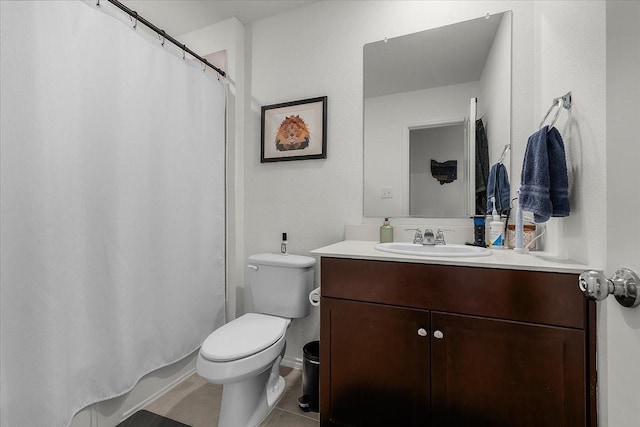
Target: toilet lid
(280,260)
(244,336)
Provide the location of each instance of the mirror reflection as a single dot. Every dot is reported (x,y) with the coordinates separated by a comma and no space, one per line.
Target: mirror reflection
(437,116)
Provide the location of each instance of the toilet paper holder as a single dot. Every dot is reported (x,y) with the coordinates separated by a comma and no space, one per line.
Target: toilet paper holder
(624,285)
(314,297)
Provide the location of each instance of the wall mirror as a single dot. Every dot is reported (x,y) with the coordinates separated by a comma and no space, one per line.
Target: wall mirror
(423,95)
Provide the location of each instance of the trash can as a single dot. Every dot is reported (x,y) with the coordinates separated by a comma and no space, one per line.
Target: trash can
(309,401)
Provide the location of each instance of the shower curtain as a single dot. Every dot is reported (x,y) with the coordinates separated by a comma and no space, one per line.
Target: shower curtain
(112,207)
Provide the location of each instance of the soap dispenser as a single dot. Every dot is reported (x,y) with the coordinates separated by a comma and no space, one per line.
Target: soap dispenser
(386,232)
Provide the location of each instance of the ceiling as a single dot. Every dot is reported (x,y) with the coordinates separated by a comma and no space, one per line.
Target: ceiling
(441,56)
(179,17)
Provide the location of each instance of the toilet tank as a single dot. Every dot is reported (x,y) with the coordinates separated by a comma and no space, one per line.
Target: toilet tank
(280,284)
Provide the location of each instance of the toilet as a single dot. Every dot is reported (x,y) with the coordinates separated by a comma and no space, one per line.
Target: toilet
(245,354)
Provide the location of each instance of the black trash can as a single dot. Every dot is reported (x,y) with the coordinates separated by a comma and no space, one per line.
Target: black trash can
(309,401)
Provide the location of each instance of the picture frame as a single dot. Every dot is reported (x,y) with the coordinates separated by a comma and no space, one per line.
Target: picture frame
(295,130)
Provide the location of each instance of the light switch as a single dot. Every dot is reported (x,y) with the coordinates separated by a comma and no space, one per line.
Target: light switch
(386,193)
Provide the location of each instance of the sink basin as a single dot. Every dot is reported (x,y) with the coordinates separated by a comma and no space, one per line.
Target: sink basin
(440,250)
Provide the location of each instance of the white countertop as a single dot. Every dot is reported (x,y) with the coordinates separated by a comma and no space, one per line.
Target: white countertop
(500,258)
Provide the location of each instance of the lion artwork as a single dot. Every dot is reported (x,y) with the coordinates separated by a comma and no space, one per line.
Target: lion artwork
(293,134)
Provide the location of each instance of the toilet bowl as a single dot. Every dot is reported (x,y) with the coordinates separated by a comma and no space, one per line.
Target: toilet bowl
(245,354)
(243,347)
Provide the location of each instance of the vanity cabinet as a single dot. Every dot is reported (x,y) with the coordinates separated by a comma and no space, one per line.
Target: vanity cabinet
(411,344)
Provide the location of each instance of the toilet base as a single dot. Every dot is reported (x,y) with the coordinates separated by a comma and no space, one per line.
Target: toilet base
(247,403)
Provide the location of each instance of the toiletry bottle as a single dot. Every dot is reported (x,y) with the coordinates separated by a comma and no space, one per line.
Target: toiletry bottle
(496,228)
(386,232)
(479,231)
(284,246)
(519,237)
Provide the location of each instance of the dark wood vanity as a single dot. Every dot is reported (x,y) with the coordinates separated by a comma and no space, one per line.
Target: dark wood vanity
(415,344)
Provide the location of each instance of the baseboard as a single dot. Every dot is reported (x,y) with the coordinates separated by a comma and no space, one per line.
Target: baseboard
(158,393)
(292,362)
(111,412)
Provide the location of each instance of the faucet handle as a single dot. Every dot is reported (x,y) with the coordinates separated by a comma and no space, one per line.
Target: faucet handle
(417,237)
(440,236)
(441,231)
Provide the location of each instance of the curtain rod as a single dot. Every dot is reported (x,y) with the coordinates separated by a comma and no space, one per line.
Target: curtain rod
(161,32)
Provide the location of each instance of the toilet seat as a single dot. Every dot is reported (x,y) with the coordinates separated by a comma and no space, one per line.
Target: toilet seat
(244,336)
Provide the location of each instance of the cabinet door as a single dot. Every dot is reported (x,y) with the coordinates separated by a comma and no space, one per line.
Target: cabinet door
(374,365)
(500,373)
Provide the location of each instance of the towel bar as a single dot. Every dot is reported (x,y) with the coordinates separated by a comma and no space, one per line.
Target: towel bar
(564,101)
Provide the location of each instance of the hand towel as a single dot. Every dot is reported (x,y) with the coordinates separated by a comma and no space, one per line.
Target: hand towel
(544,172)
(558,177)
(498,187)
(482,167)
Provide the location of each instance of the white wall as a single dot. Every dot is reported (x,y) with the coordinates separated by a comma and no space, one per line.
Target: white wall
(495,89)
(572,58)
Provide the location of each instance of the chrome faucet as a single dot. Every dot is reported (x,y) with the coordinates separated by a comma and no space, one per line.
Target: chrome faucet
(428,238)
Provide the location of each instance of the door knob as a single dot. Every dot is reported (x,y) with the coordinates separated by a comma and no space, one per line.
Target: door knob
(624,285)
(422,332)
(438,334)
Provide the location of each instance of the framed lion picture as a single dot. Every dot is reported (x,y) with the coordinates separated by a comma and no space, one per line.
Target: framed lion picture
(294,130)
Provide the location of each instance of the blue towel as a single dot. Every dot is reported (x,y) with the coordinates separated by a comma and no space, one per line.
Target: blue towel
(544,172)
(498,187)
(558,177)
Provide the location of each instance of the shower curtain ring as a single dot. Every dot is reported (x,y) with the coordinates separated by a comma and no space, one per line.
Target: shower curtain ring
(97,3)
(161,33)
(204,66)
(184,48)
(135,24)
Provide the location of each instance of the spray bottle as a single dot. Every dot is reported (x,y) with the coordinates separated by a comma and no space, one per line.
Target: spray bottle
(496,228)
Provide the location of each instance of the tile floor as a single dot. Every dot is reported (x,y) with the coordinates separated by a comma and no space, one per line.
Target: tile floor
(197,403)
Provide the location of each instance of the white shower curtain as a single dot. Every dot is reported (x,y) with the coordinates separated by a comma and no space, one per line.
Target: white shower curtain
(112,207)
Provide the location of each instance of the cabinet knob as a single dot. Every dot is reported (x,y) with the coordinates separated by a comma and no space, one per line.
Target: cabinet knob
(422,332)
(438,334)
